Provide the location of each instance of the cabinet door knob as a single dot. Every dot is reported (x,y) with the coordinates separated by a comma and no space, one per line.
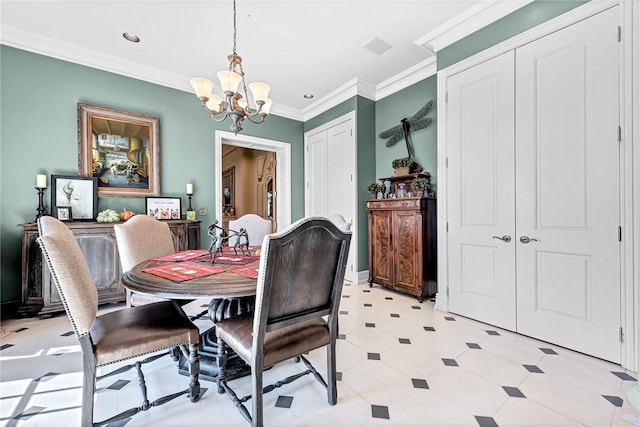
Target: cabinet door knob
(506,238)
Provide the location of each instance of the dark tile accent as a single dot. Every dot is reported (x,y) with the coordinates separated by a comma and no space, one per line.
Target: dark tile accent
(404,340)
(368,305)
(67,334)
(416,307)
(419,383)
(395,315)
(338,376)
(378,411)
(450,362)
(370,325)
(429,328)
(344,312)
(373,356)
(533,369)
(486,421)
(548,350)
(29,412)
(347,284)
(346,296)
(5,346)
(450,319)
(624,376)
(20,329)
(474,345)
(46,377)
(388,298)
(615,400)
(342,337)
(493,332)
(366,290)
(284,402)
(204,305)
(118,384)
(513,391)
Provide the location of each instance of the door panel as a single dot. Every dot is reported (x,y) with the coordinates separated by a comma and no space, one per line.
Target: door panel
(406,244)
(567,186)
(480,154)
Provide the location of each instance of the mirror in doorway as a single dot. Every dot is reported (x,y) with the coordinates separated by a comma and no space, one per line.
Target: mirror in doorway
(228,190)
(270,198)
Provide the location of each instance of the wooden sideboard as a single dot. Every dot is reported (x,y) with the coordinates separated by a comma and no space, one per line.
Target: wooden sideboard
(98,243)
(402,245)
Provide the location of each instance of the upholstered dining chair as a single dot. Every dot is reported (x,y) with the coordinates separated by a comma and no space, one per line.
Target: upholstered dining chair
(139,238)
(340,222)
(120,335)
(256,226)
(300,280)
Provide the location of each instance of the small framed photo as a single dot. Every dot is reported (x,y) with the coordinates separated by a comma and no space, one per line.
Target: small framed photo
(80,193)
(163,207)
(63,213)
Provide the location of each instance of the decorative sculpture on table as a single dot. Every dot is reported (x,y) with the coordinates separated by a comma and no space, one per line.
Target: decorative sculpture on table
(219,236)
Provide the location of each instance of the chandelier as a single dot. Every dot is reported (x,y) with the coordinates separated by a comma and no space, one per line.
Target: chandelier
(234,103)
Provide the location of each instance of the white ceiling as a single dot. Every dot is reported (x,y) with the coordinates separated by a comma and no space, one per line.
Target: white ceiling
(299,46)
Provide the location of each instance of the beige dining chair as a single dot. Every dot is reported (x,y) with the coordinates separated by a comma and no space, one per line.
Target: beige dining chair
(256,226)
(149,330)
(299,282)
(139,238)
(340,222)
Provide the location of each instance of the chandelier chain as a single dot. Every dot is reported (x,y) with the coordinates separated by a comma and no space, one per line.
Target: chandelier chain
(234,27)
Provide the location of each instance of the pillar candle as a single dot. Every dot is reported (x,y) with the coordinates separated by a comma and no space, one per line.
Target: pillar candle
(189,188)
(41,181)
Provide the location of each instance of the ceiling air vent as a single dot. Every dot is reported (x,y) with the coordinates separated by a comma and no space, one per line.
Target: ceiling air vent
(377,46)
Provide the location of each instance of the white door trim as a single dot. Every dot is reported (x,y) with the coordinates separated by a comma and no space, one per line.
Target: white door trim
(630,196)
(283,171)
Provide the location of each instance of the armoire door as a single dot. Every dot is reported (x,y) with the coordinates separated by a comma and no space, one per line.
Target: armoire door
(480,157)
(567,186)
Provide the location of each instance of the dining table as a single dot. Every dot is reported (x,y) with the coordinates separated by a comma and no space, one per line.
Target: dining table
(229,282)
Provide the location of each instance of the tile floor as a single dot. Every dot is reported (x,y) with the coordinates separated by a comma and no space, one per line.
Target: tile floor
(400,363)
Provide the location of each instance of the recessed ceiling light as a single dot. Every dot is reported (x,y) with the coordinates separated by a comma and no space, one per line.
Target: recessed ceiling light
(131,37)
(308,95)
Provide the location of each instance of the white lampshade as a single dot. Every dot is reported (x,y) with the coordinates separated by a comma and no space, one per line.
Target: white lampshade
(202,86)
(214,102)
(260,91)
(229,80)
(266,108)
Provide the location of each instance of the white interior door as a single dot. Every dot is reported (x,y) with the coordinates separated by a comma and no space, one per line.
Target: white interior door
(480,157)
(567,186)
(330,166)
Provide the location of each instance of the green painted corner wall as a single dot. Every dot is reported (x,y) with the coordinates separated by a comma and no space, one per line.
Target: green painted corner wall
(38,134)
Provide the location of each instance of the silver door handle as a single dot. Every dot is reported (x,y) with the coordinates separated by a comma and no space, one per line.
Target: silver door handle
(526,239)
(505,238)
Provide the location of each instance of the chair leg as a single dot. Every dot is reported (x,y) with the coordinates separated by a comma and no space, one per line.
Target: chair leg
(88,383)
(194,372)
(332,390)
(256,396)
(221,361)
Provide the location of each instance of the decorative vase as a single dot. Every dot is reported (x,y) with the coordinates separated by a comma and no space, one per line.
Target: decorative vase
(402,170)
(374,194)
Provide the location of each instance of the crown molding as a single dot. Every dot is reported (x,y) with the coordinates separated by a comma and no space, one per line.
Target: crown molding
(467,22)
(418,72)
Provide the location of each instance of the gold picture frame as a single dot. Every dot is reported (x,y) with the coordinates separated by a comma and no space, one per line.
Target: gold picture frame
(121,149)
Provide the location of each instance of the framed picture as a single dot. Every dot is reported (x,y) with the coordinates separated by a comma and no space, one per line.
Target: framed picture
(163,207)
(121,149)
(63,213)
(228,190)
(79,193)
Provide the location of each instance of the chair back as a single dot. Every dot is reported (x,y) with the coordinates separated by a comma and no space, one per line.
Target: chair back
(256,226)
(142,237)
(340,222)
(301,274)
(70,273)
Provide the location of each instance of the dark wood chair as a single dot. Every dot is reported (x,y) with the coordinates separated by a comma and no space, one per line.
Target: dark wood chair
(300,281)
(119,335)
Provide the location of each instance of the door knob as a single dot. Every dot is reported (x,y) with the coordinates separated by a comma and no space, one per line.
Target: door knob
(505,238)
(526,239)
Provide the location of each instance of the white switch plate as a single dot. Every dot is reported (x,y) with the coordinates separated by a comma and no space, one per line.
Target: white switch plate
(203,211)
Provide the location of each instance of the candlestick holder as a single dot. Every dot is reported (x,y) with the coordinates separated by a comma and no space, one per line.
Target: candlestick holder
(41,209)
(191,214)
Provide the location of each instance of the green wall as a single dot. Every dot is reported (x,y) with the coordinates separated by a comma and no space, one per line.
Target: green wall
(38,134)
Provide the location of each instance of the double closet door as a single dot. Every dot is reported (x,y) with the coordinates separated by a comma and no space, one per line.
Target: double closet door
(533,189)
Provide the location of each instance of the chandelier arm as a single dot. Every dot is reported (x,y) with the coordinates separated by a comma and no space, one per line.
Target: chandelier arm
(259,121)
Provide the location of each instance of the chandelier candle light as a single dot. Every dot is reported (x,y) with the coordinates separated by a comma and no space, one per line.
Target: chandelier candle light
(233,105)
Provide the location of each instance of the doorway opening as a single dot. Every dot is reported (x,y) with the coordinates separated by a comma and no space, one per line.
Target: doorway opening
(272,196)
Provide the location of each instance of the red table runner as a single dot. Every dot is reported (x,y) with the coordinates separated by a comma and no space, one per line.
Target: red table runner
(250,271)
